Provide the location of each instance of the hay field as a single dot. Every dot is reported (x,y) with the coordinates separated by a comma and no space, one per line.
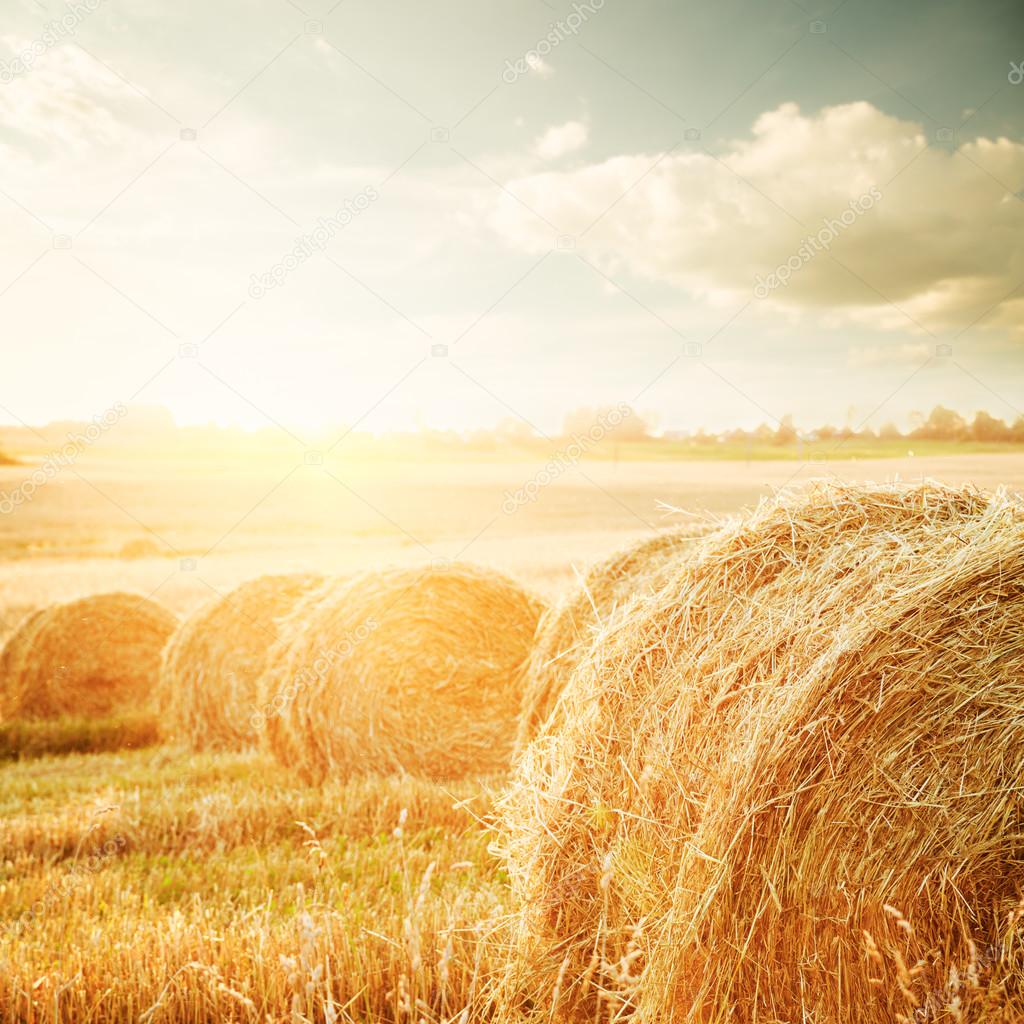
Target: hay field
(241,521)
(160,884)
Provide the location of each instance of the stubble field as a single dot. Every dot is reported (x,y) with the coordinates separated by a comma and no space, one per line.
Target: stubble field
(156,884)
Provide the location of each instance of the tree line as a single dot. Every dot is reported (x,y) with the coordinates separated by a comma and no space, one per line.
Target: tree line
(941,424)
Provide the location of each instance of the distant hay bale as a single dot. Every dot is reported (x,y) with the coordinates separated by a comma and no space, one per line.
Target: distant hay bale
(15,647)
(212,665)
(405,670)
(86,658)
(567,628)
(813,731)
(140,547)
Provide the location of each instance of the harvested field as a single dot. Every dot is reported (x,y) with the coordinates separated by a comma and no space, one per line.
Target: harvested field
(223,883)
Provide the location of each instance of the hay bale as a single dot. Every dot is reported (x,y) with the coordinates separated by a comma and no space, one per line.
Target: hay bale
(85,658)
(567,629)
(212,666)
(818,717)
(15,647)
(405,670)
(140,547)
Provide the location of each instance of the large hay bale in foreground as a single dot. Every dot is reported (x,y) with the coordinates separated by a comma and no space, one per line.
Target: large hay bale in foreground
(814,730)
(567,629)
(211,668)
(85,658)
(407,670)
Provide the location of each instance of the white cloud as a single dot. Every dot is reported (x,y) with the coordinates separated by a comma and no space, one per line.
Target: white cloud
(66,99)
(945,243)
(561,139)
(539,66)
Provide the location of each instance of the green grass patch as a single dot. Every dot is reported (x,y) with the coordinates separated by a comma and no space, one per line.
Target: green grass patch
(803,451)
(20,739)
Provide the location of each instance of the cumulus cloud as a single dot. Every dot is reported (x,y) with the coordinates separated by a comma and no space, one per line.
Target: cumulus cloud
(65,99)
(942,246)
(560,140)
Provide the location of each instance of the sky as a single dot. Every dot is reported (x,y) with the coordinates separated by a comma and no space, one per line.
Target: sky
(398,214)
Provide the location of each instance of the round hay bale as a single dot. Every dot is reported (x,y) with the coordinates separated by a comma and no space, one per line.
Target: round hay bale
(89,657)
(140,547)
(813,733)
(567,629)
(14,649)
(405,670)
(212,666)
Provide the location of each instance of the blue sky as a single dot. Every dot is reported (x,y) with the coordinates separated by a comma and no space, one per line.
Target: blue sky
(591,231)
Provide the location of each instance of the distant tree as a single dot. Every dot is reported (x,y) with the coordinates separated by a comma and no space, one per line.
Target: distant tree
(827,432)
(514,430)
(633,427)
(1016,430)
(942,425)
(480,440)
(627,426)
(889,432)
(786,432)
(988,428)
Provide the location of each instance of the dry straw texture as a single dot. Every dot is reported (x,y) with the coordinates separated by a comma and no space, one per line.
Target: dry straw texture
(819,717)
(567,628)
(89,657)
(408,670)
(212,666)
